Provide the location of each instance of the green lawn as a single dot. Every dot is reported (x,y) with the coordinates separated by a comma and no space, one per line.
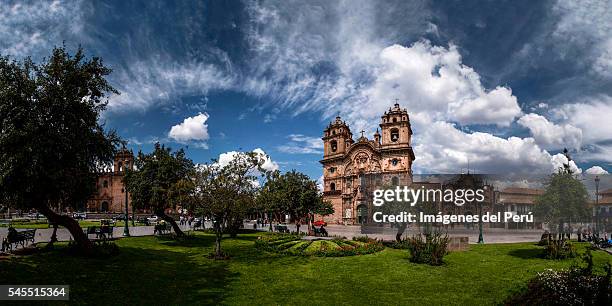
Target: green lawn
(156,271)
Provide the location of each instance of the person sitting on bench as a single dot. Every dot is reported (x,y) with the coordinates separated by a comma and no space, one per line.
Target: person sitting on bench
(323,231)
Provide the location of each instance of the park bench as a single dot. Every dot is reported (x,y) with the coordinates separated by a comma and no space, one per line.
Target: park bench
(102,232)
(281,228)
(319,233)
(162,228)
(20,238)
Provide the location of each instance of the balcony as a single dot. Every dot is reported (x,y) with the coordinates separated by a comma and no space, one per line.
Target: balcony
(332,193)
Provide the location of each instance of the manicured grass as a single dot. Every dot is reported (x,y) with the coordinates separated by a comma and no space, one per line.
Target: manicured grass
(157,271)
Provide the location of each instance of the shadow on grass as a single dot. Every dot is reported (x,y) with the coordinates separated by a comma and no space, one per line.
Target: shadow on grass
(526,253)
(135,276)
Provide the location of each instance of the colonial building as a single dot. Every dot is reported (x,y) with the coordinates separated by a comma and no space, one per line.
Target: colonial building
(350,167)
(518,201)
(110,193)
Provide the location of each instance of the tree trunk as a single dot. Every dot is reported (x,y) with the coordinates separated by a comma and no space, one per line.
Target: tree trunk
(73,227)
(400,231)
(297,227)
(218,237)
(53,237)
(270,220)
(175,227)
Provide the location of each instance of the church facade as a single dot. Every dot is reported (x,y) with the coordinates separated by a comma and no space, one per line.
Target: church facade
(351,168)
(110,193)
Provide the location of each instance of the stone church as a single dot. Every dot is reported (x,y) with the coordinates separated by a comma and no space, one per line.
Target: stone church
(351,168)
(110,194)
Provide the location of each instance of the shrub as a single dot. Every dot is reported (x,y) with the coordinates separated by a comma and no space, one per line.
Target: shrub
(574,286)
(559,249)
(430,250)
(394,244)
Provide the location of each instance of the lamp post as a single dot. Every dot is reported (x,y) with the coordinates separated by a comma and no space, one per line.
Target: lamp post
(597,204)
(126,229)
(480,236)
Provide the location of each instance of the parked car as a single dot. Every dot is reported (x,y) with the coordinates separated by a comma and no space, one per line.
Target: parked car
(34,215)
(320,223)
(79,215)
(153,218)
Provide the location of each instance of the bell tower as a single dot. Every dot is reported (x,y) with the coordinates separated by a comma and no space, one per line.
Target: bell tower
(124,159)
(395,128)
(337,137)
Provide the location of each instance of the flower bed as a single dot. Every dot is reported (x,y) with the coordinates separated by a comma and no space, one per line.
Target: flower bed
(294,245)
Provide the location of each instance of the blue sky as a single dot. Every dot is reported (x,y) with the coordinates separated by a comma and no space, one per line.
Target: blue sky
(505,85)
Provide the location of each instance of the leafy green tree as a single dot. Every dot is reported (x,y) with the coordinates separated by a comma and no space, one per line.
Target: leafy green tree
(299,196)
(225,193)
(52,141)
(565,198)
(160,180)
(267,198)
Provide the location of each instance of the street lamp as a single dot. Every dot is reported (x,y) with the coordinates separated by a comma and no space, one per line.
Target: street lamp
(597,203)
(126,229)
(480,237)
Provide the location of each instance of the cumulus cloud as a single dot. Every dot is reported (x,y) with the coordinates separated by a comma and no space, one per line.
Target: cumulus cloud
(300,144)
(191,129)
(592,116)
(596,170)
(443,148)
(559,160)
(550,135)
(267,162)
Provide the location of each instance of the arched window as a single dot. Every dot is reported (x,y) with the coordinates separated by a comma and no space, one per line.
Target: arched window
(332,186)
(104,207)
(395,181)
(334,145)
(394,135)
(120,165)
(105,184)
(394,161)
(394,120)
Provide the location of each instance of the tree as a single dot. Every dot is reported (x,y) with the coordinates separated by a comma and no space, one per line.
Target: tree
(299,196)
(267,197)
(161,179)
(564,198)
(226,192)
(52,143)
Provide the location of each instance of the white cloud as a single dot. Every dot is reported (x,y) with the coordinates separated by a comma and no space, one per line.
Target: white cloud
(559,160)
(442,148)
(267,162)
(586,25)
(596,170)
(32,28)
(191,129)
(549,135)
(300,144)
(592,116)
(158,82)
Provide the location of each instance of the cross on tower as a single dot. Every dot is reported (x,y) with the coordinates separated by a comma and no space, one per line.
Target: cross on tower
(362,131)
(396,101)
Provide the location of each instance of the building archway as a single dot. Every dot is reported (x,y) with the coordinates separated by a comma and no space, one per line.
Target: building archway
(362,214)
(104,206)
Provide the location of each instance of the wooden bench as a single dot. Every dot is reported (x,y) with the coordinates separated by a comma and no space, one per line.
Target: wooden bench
(281,228)
(319,233)
(101,232)
(18,238)
(162,228)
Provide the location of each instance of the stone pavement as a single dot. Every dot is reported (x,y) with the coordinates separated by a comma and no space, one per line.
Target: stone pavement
(348,231)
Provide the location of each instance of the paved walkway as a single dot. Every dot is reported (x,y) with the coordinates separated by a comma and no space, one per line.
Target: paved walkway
(348,231)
